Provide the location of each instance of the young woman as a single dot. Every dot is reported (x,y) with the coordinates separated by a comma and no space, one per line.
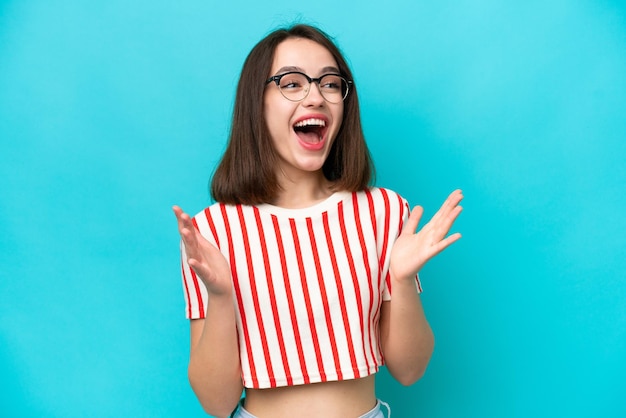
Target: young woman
(301,281)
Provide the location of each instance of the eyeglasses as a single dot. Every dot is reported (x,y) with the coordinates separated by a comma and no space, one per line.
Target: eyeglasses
(295,86)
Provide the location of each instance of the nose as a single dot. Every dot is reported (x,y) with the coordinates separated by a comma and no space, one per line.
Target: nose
(314,96)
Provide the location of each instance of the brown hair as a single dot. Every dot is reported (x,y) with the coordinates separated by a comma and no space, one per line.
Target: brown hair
(246,175)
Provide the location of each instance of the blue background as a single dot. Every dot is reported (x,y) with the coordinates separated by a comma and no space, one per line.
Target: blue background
(111,112)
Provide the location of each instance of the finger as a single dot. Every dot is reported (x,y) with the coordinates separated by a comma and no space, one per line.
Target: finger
(180,220)
(186,222)
(457,196)
(454,214)
(187,231)
(453,200)
(443,209)
(443,226)
(181,217)
(192,238)
(447,221)
(177,210)
(445,243)
(413,221)
(449,206)
(200,269)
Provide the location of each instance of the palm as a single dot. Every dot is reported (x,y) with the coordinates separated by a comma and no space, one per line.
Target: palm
(412,250)
(206,260)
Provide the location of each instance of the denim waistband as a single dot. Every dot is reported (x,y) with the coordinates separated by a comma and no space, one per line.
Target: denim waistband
(376,412)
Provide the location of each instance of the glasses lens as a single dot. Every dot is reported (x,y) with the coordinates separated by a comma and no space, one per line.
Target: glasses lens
(294,86)
(334,88)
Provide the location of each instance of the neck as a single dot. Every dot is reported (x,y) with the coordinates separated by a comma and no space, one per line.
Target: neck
(303,192)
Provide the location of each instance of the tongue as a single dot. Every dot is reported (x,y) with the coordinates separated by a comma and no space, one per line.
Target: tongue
(310,137)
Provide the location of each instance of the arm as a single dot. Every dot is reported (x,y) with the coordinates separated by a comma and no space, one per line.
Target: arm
(214,366)
(406,337)
(214,369)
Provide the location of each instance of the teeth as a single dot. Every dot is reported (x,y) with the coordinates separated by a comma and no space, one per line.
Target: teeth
(310,122)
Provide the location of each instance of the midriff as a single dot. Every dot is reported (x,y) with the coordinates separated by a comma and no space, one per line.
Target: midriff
(341,399)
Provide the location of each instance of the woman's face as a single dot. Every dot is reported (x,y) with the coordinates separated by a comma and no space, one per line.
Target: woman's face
(302,132)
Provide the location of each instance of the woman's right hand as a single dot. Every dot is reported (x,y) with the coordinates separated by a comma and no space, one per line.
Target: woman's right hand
(206,260)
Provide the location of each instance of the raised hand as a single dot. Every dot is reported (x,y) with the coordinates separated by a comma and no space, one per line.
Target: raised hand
(413,249)
(206,260)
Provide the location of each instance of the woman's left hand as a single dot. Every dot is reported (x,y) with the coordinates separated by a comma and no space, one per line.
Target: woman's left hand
(412,250)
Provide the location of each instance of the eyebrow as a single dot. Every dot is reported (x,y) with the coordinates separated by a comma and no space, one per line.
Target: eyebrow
(329,69)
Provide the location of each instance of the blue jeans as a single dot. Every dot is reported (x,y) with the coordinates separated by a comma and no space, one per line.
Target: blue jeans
(376,412)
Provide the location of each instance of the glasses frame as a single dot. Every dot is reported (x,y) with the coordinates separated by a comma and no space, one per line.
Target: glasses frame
(276,79)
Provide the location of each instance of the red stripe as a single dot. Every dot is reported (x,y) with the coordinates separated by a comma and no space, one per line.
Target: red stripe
(182,269)
(307,301)
(419,284)
(255,296)
(370,203)
(209,219)
(292,310)
(405,206)
(383,253)
(382,256)
(344,313)
(320,281)
(233,269)
(357,217)
(272,295)
(401,207)
(196,283)
(372,212)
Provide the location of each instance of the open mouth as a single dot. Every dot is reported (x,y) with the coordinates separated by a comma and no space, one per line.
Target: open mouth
(310,131)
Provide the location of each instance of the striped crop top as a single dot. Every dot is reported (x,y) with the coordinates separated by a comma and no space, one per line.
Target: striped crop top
(307,283)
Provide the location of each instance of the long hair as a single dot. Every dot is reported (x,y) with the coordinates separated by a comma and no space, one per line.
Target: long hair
(246,174)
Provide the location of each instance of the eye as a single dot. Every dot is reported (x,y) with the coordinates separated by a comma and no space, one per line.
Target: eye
(331,82)
(289,84)
(292,81)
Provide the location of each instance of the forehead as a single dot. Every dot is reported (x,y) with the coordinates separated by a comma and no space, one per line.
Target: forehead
(305,54)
